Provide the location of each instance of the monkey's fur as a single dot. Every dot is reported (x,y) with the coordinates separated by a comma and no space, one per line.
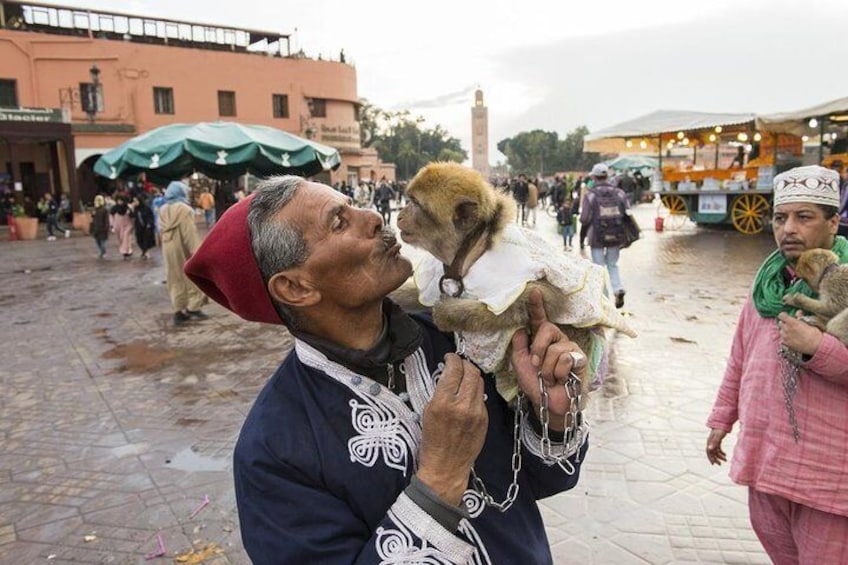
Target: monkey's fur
(831,307)
(448,201)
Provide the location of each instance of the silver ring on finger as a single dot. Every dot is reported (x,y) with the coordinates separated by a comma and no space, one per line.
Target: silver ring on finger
(577,358)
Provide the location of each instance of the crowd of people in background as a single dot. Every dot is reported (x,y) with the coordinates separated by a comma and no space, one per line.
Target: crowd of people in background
(384,195)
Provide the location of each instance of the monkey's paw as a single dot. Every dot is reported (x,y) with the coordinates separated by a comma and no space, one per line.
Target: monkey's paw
(790,299)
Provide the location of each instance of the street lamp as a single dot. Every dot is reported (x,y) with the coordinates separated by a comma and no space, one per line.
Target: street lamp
(307,128)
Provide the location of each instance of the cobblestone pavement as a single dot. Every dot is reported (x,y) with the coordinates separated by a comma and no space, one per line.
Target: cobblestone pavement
(115,425)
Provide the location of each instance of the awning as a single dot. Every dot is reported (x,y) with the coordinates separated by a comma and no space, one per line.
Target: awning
(797,123)
(220,150)
(649,127)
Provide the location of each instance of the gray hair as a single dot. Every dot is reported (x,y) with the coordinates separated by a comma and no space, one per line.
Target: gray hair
(276,246)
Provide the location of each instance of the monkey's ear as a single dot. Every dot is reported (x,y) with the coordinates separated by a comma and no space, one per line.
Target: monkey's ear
(466,214)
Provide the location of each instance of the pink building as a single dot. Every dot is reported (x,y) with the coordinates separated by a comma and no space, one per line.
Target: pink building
(75,83)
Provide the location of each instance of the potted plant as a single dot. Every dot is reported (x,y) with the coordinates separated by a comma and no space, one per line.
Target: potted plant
(82,220)
(27,227)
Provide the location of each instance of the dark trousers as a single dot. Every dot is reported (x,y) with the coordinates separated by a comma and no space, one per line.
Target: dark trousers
(385,207)
(53,222)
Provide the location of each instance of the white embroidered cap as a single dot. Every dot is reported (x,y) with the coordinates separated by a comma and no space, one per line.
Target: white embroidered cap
(812,184)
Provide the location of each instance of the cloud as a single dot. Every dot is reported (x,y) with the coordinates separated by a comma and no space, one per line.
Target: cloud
(750,62)
(452,98)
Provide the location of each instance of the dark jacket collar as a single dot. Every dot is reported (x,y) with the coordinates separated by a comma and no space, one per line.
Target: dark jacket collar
(401,336)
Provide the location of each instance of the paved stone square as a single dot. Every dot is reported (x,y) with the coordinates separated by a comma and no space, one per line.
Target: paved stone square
(115,424)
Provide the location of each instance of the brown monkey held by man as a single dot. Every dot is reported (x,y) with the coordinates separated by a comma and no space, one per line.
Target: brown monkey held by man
(821,270)
(482,268)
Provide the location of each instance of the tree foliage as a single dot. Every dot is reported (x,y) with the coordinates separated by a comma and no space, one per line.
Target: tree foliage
(540,151)
(401,139)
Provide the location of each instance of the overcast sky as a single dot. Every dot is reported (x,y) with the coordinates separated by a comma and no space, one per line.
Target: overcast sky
(557,65)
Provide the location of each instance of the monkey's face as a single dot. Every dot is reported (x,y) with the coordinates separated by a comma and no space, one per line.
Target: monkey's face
(422,227)
(812,263)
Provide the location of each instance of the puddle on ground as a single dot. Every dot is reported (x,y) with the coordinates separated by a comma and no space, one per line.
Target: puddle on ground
(188,460)
(140,355)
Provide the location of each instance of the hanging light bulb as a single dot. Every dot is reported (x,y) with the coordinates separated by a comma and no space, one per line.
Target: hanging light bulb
(813,122)
(758,136)
(685,141)
(718,129)
(805,138)
(680,135)
(712,138)
(643,144)
(628,143)
(742,137)
(670,144)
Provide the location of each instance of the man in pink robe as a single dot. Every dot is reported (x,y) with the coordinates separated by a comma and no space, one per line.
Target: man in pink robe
(786,383)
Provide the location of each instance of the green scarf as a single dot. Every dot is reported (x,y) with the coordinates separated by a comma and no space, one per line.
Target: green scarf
(769,286)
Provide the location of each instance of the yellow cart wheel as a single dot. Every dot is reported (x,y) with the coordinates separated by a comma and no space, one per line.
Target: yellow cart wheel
(749,213)
(674,211)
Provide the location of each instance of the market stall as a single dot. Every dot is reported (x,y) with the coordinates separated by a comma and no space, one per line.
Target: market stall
(825,123)
(693,179)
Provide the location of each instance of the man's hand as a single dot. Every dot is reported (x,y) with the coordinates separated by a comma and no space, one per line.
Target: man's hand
(798,335)
(715,453)
(550,352)
(454,429)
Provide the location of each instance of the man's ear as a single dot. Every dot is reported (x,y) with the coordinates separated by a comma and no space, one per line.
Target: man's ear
(465,214)
(288,288)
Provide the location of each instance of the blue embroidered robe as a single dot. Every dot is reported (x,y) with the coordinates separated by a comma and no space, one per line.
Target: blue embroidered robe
(325,455)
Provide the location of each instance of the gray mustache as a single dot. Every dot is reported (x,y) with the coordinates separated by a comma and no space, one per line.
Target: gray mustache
(387,234)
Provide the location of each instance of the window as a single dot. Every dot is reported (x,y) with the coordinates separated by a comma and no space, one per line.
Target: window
(91,98)
(8,93)
(163,100)
(226,103)
(317,107)
(281,105)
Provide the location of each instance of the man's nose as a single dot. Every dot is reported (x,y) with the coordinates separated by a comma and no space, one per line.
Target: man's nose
(371,220)
(790,225)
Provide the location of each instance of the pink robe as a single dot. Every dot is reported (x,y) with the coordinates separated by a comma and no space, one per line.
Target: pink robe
(814,471)
(124,228)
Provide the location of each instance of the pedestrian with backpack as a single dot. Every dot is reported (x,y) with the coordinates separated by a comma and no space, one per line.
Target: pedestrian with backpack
(603,211)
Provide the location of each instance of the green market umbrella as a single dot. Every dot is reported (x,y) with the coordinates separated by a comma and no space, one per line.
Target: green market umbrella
(220,150)
(632,162)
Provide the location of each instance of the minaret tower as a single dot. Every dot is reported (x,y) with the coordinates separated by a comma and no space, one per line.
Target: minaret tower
(480,135)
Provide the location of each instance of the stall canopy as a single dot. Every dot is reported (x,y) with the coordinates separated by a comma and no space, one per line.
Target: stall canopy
(220,150)
(641,134)
(632,163)
(797,123)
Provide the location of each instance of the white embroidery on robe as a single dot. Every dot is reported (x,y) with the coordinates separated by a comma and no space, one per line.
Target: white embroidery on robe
(380,433)
(475,505)
(397,546)
(385,425)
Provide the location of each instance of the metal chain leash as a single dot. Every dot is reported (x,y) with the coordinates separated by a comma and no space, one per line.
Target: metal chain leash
(575,414)
(573,390)
(790,371)
(512,490)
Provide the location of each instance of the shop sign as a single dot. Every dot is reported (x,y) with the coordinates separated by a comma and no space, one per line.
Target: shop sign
(339,136)
(712,204)
(31,115)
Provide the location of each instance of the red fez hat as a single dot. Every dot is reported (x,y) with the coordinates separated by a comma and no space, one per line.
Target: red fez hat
(225,269)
